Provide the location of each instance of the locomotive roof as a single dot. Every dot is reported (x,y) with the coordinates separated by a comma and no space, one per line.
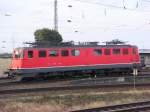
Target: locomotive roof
(71,44)
(83,46)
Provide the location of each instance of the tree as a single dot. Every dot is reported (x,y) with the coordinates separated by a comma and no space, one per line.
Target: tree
(47,35)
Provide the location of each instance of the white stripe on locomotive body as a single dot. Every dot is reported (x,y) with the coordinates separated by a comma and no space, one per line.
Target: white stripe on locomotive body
(78,65)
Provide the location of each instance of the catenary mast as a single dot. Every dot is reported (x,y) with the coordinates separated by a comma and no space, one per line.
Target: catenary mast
(56,15)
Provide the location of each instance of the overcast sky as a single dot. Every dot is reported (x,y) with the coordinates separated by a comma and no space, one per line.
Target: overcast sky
(92,20)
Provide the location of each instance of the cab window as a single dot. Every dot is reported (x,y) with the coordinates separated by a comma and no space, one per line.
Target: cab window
(22,55)
(30,54)
(18,54)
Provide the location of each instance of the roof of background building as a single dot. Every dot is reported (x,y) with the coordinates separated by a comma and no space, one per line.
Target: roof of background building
(145,51)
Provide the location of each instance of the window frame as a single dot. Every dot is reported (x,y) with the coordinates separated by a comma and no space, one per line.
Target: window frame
(62,51)
(49,53)
(31,55)
(134,51)
(73,51)
(124,51)
(18,54)
(94,52)
(40,55)
(107,53)
(115,52)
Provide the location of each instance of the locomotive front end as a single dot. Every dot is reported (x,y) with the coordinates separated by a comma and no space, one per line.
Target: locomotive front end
(16,62)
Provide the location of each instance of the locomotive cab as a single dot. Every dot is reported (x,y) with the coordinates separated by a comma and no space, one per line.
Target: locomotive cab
(17,57)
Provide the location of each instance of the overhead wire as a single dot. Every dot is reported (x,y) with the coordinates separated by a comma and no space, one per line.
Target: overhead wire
(98,3)
(148,1)
(115,6)
(110,28)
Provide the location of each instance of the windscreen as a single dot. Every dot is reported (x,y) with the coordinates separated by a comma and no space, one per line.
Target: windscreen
(18,53)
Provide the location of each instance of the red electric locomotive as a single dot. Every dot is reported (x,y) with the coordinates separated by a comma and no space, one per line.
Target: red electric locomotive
(88,58)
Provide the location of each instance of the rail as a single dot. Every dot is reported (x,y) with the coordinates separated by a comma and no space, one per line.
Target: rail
(131,107)
(101,82)
(66,87)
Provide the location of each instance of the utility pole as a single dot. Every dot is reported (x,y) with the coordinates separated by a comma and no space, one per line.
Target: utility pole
(55,15)
(124,6)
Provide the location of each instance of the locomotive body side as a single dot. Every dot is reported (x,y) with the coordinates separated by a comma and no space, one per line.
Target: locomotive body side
(33,61)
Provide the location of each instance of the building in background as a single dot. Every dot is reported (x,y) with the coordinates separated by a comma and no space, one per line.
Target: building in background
(145,57)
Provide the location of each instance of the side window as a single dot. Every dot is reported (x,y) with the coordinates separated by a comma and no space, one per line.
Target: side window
(107,51)
(97,52)
(53,53)
(125,51)
(116,51)
(134,50)
(30,54)
(42,53)
(17,55)
(75,52)
(22,55)
(64,53)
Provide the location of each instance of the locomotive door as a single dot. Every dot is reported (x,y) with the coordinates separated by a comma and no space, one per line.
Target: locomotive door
(88,55)
(64,59)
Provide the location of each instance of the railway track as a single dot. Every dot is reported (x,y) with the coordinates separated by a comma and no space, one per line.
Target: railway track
(10,84)
(67,87)
(7,79)
(131,107)
(104,84)
(4,79)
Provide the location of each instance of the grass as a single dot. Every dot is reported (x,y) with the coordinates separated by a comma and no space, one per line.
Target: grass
(68,100)
(65,102)
(4,64)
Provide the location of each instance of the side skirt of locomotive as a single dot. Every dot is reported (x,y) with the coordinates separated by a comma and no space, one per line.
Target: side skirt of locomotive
(48,71)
